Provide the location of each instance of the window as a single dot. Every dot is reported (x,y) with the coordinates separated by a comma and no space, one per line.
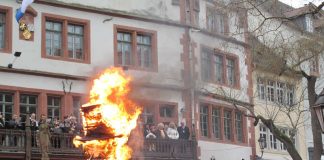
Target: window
(282,145)
(2,30)
(206,66)
(290,95)
(264,134)
(196,9)
(158,112)
(28,104)
(124,41)
(166,111)
(227,125)
(261,89)
(75,41)
(53,106)
(216,123)
(239,126)
(204,120)
(284,92)
(148,115)
(5,29)
(76,108)
(271,142)
(54,38)
(6,105)
(230,67)
(144,51)
(220,123)
(216,21)
(271,91)
(280,93)
(136,48)
(219,68)
(66,38)
(309,23)
(314,65)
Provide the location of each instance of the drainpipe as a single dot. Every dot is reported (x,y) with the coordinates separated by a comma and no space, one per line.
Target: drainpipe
(192,85)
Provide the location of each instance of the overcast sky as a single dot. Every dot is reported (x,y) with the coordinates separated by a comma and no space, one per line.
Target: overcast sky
(300,3)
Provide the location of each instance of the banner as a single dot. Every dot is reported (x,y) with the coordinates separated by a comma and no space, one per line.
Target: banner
(21,11)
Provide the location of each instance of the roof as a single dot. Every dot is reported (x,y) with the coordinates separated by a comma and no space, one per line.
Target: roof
(275,7)
(300,11)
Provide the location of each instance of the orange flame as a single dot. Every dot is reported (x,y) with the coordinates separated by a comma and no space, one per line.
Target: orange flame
(115,112)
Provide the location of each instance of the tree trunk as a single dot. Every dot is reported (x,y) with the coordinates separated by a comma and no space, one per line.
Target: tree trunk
(316,128)
(281,137)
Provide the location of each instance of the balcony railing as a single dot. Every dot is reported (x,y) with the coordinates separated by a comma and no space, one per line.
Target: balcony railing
(15,144)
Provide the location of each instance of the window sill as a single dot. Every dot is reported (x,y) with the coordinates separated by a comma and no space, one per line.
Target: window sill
(224,85)
(66,59)
(5,50)
(272,151)
(202,138)
(154,69)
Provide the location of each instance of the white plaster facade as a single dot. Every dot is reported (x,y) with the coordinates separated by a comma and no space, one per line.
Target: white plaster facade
(165,85)
(274,33)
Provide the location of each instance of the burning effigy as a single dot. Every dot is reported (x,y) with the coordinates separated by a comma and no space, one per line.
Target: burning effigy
(108,118)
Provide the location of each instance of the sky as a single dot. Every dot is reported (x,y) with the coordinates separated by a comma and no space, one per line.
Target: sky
(300,3)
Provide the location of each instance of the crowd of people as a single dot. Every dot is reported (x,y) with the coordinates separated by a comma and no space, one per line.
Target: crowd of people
(167,131)
(68,125)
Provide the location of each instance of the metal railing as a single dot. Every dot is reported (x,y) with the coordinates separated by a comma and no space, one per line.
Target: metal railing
(16,144)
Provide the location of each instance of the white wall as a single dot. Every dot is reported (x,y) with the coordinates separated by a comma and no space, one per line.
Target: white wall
(224,151)
(155,9)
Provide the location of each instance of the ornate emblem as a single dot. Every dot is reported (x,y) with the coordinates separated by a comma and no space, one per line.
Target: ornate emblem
(25,31)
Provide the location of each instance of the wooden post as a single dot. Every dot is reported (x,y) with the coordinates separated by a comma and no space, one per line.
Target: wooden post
(28,138)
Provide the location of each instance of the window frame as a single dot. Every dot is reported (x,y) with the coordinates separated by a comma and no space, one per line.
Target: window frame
(28,105)
(154,108)
(287,89)
(65,22)
(225,56)
(8,29)
(280,147)
(52,107)
(217,11)
(134,32)
(222,108)
(314,66)
(4,104)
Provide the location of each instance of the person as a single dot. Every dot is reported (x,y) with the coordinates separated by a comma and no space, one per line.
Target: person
(14,124)
(2,122)
(172,131)
(146,130)
(151,135)
(66,125)
(2,126)
(73,122)
(160,133)
(33,128)
(183,131)
(44,137)
(33,122)
(166,127)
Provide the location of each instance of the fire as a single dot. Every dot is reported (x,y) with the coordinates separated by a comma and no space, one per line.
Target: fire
(108,118)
